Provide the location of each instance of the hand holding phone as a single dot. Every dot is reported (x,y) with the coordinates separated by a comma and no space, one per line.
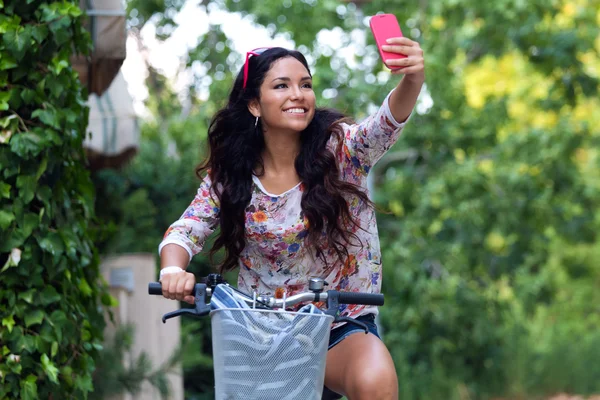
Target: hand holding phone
(384,27)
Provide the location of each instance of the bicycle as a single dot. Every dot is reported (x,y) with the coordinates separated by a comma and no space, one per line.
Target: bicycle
(263,351)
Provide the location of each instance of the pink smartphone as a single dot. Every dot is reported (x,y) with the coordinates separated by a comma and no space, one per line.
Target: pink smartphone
(385,26)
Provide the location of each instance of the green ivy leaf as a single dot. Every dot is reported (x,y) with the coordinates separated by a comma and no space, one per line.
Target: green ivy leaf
(84,383)
(26,143)
(66,373)
(28,95)
(30,343)
(52,243)
(84,287)
(49,12)
(16,41)
(109,300)
(49,295)
(4,98)
(29,222)
(57,318)
(42,168)
(29,389)
(14,364)
(34,317)
(4,122)
(6,218)
(7,61)
(54,349)
(49,368)
(5,190)
(39,32)
(8,322)
(48,117)
(27,295)
(57,65)
(26,185)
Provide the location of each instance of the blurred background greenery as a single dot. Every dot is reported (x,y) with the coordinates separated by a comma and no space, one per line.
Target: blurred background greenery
(490,247)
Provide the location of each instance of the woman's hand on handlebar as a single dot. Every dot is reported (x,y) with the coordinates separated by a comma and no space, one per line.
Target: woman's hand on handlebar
(178,286)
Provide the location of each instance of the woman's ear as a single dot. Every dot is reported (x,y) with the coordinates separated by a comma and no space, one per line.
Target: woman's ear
(254,107)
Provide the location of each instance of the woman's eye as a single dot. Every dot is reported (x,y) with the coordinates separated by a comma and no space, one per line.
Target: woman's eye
(308,85)
(281,86)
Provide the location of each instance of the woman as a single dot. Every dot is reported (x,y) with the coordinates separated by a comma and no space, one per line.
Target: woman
(286,183)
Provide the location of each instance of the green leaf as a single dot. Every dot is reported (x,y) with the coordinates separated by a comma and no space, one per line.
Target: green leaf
(30,343)
(4,122)
(16,41)
(27,143)
(5,190)
(57,317)
(6,218)
(48,117)
(57,65)
(26,186)
(52,243)
(29,222)
(4,98)
(29,389)
(39,32)
(109,300)
(84,383)
(34,317)
(49,295)
(85,288)
(8,322)
(28,95)
(27,295)
(7,61)
(42,168)
(66,373)
(49,12)
(15,368)
(49,368)
(54,349)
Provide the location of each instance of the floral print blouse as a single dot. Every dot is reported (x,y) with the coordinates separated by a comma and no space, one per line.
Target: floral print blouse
(276,259)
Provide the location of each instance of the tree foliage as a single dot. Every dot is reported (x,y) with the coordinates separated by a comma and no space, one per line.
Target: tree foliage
(50,295)
(490,248)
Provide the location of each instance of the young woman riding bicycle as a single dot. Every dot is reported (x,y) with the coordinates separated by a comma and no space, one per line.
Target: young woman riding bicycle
(286,183)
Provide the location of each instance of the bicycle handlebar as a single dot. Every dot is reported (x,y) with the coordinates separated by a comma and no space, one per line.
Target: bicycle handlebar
(370,299)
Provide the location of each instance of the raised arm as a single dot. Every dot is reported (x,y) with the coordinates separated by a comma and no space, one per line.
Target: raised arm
(403,99)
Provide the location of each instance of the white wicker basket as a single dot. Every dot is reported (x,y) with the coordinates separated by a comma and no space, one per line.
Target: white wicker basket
(269,355)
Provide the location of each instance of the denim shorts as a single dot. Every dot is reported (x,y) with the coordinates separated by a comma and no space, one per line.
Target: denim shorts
(340,333)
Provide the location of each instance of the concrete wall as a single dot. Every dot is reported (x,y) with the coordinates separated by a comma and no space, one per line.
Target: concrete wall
(129,275)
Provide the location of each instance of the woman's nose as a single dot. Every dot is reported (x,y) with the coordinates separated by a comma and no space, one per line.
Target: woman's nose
(296,92)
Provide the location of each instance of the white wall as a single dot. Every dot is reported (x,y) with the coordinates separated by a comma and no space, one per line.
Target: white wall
(129,275)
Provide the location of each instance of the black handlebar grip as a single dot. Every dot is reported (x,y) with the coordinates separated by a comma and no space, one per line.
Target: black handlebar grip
(154,288)
(369,299)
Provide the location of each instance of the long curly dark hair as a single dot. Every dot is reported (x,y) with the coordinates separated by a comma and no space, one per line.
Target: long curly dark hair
(236,146)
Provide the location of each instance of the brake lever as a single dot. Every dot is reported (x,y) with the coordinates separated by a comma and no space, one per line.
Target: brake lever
(200,309)
(333,304)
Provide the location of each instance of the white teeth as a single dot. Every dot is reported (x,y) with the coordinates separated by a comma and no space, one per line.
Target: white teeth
(295,111)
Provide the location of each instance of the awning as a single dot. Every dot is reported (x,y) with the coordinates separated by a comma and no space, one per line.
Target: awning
(113,125)
(106,24)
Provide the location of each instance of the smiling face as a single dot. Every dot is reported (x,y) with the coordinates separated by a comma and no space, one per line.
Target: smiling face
(287,101)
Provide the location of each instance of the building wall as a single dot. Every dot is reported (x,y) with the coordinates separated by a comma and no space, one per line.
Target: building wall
(128,276)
